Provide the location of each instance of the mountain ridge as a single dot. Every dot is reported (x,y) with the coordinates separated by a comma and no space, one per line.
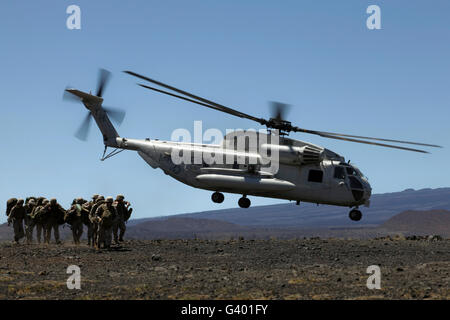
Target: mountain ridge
(383,206)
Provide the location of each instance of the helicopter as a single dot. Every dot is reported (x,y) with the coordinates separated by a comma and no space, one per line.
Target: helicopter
(265,163)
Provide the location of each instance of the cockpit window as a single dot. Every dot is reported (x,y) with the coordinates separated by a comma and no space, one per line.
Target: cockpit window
(351,171)
(339,173)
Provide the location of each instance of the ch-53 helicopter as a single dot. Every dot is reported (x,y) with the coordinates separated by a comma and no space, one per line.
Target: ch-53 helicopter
(303,171)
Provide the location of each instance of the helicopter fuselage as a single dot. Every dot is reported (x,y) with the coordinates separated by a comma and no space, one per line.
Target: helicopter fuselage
(324,180)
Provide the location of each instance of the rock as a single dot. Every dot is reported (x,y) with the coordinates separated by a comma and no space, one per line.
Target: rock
(399,237)
(159,269)
(173,267)
(156,257)
(434,238)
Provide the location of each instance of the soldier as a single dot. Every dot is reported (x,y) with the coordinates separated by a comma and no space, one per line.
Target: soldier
(16,216)
(123,213)
(106,214)
(93,218)
(10,204)
(55,217)
(30,204)
(27,200)
(87,206)
(73,217)
(39,216)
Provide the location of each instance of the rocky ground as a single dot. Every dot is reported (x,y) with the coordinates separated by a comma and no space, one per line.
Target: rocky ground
(234,269)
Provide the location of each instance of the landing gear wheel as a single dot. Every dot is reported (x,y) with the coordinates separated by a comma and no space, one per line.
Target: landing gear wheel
(244,202)
(355,215)
(217,197)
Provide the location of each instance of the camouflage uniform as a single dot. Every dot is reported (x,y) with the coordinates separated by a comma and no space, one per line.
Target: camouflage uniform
(55,217)
(38,216)
(73,217)
(94,219)
(16,216)
(106,214)
(30,204)
(123,213)
(87,206)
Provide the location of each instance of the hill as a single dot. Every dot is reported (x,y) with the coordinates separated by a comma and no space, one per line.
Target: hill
(420,222)
(307,215)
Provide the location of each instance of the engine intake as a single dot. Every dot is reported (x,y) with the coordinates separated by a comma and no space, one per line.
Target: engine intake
(293,154)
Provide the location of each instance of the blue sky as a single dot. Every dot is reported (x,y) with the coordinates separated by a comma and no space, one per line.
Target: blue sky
(316,55)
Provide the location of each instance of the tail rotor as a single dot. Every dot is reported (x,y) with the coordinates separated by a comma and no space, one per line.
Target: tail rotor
(93,103)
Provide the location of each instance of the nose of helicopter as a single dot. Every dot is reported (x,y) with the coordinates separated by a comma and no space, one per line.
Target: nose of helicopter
(367,192)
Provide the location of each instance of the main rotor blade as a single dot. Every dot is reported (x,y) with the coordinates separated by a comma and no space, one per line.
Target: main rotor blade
(381,139)
(323,134)
(103,78)
(180,97)
(210,104)
(115,114)
(83,130)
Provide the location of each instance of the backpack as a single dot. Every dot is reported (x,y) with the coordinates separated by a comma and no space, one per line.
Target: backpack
(128,214)
(60,217)
(10,204)
(108,218)
(73,214)
(39,215)
(85,216)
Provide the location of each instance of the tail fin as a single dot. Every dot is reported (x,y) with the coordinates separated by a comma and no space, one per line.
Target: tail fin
(94,105)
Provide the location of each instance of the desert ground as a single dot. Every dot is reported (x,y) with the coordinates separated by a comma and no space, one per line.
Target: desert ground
(233,269)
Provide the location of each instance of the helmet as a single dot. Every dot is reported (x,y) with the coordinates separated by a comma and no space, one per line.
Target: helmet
(79,200)
(109,199)
(28,199)
(20,201)
(45,201)
(32,202)
(120,197)
(95,196)
(100,198)
(52,201)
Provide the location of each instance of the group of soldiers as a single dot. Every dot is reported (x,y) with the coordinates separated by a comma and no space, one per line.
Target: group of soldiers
(103,218)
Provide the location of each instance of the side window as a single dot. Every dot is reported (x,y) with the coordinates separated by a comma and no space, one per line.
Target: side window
(315,176)
(339,173)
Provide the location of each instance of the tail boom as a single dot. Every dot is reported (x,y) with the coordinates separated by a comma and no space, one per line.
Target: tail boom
(94,105)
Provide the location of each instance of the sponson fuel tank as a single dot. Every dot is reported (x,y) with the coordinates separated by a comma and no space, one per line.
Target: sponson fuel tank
(250,183)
